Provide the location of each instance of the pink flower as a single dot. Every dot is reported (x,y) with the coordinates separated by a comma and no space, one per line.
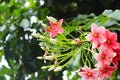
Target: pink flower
(89,74)
(96,36)
(117,57)
(111,41)
(105,56)
(106,71)
(55,28)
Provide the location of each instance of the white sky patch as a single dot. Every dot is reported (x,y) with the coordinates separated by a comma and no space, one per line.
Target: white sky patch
(7,77)
(33,19)
(12,27)
(2,27)
(31,30)
(64,75)
(4,62)
(7,37)
(36,74)
(25,23)
(26,36)
(27,77)
(30,37)
(42,2)
(27,4)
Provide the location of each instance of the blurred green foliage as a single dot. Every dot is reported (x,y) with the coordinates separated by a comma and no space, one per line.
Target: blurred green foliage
(19,18)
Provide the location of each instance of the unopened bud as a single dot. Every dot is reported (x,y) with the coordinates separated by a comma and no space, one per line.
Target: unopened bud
(51,68)
(42,47)
(59,68)
(53,40)
(38,35)
(73,42)
(51,18)
(48,57)
(39,57)
(44,25)
(44,67)
(35,35)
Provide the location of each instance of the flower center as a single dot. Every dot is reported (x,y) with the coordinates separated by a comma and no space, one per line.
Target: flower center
(108,41)
(89,74)
(95,35)
(102,56)
(104,70)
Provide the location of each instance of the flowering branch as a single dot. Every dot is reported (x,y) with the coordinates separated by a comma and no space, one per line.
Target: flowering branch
(99,47)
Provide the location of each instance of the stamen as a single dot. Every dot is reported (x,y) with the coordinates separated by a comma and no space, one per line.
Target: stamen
(108,41)
(89,74)
(95,35)
(103,56)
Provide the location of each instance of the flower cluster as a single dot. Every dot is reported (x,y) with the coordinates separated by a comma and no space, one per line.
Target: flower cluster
(106,43)
(61,48)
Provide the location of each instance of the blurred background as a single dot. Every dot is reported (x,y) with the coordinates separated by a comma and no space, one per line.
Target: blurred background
(20,18)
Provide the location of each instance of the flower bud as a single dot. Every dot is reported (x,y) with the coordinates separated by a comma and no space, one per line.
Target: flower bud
(44,67)
(38,35)
(51,18)
(44,25)
(73,42)
(53,40)
(35,35)
(59,68)
(39,57)
(51,68)
(48,57)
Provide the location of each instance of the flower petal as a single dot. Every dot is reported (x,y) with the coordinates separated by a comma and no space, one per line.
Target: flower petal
(60,30)
(52,22)
(94,44)
(94,28)
(60,22)
(101,30)
(53,34)
(89,37)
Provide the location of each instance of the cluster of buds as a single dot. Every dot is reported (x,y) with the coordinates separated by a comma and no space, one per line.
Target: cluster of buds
(54,67)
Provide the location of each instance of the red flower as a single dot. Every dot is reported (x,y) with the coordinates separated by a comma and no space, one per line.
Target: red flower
(55,28)
(106,71)
(89,74)
(96,36)
(111,41)
(117,57)
(105,56)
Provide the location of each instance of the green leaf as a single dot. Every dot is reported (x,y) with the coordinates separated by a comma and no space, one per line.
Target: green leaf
(69,29)
(107,12)
(95,19)
(1,54)
(6,70)
(104,20)
(115,15)
(32,4)
(68,73)
(16,12)
(110,23)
